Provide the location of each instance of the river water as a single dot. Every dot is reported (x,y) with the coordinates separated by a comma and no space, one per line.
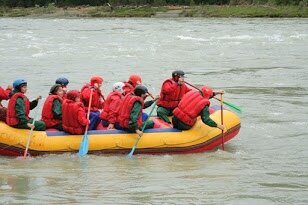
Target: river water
(260,63)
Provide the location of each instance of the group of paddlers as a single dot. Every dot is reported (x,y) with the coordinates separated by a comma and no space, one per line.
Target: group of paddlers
(75,111)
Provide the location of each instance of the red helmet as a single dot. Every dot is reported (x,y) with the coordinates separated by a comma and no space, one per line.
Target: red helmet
(207,91)
(73,94)
(96,79)
(134,79)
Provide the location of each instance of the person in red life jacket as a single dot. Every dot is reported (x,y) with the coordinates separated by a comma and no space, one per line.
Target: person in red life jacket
(63,82)
(97,100)
(171,93)
(130,117)
(112,107)
(132,82)
(52,109)
(129,87)
(4,95)
(74,120)
(19,108)
(193,104)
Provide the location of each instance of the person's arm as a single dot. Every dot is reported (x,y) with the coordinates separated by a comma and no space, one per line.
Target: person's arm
(205,116)
(33,104)
(57,109)
(133,120)
(148,104)
(21,111)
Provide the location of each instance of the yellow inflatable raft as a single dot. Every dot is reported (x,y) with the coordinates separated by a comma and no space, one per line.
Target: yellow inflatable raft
(154,141)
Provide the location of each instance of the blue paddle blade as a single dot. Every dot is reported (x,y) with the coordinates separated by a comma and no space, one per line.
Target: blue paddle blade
(84,146)
(130,155)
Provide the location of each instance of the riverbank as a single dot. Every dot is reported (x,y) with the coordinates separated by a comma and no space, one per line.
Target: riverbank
(242,11)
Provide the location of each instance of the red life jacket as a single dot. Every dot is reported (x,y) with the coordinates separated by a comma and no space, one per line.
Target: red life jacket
(11,118)
(97,103)
(126,109)
(4,94)
(112,107)
(171,99)
(71,121)
(128,88)
(190,107)
(47,113)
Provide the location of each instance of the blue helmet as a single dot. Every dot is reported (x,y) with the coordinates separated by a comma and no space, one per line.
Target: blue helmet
(18,83)
(62,81)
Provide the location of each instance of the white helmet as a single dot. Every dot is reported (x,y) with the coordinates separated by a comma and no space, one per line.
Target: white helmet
(118,87)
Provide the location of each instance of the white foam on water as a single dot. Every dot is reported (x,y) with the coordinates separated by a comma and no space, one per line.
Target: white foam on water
(274,38)
(240,37)
(235,43)
(300,123)
(276,113)
(26,36)
(8,35)
(5,187)
(38,55)
(299,36)
(33,46)
(191,38)
(130,56)
(83,37)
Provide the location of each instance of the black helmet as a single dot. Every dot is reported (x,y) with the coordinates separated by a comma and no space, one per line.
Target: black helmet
(54,89)
(178,73)
(140,89)
(62,81)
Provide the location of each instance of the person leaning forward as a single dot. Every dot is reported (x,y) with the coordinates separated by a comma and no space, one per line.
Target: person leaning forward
(193,104)
(130,117)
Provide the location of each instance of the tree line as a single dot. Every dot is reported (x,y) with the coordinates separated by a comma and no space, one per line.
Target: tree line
(66,3)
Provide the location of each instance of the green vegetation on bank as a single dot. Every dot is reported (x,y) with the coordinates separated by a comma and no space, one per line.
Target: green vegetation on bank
(72,3)
(161,11)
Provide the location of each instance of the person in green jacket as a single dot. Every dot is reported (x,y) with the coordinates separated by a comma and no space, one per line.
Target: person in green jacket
(130,117)
(193,104)
(19,107)
(52,109)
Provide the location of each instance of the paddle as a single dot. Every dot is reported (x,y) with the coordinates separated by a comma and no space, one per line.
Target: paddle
(84,146)
(31,131)
(130,155)
(222,120)
(230,105)
(151,95)
(29,139)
